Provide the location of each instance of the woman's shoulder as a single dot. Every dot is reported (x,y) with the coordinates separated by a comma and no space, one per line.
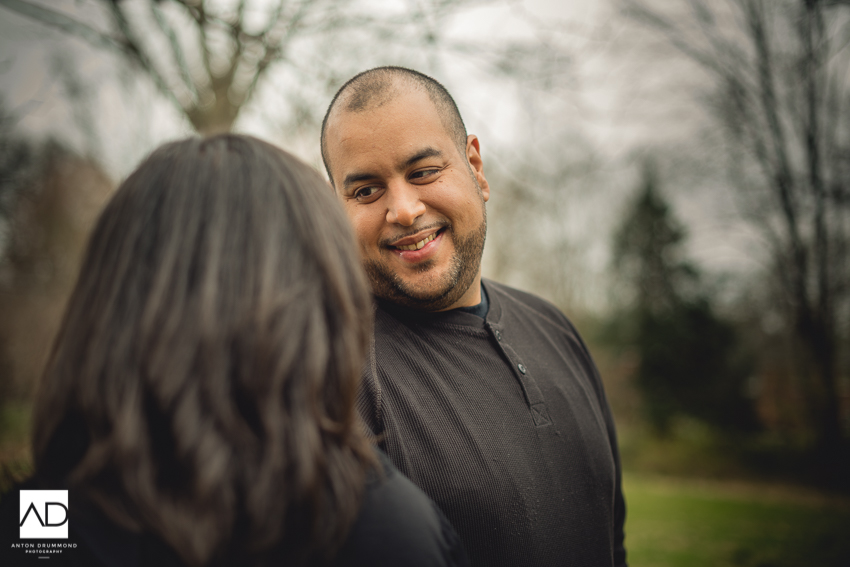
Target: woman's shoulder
(399,525)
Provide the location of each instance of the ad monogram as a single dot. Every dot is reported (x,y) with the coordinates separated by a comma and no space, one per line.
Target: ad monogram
(44,514)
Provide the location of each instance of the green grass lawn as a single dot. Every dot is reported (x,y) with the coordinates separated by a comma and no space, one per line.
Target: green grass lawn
(713,524)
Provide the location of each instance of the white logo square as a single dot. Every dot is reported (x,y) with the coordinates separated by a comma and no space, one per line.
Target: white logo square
(44,514)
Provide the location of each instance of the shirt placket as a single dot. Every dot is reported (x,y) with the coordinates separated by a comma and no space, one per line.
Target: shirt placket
(533,395)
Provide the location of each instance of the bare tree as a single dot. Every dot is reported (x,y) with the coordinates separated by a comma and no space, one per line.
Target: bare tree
(780,70)
(208,57)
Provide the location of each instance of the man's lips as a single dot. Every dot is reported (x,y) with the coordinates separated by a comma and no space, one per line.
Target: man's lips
(416,241)
(418,248)
(419,244)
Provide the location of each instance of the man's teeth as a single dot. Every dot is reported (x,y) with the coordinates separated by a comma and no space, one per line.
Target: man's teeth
(419,244)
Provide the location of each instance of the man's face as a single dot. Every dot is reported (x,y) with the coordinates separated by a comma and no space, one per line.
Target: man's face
(415,201)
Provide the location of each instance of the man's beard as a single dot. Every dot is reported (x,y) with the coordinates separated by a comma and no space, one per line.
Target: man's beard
(465,264)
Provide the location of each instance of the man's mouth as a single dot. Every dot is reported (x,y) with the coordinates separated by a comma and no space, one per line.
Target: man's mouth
(409,246)
(420,244)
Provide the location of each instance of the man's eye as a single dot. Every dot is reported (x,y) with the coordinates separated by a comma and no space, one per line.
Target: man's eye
(424,173)
(365,192)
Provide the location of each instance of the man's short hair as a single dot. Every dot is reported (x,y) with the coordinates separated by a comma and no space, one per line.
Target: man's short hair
(378,86)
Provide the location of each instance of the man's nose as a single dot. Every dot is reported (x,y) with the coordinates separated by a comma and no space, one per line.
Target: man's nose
(404,206)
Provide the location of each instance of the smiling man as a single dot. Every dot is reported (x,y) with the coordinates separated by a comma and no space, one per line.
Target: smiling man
(483,395)
(414,189)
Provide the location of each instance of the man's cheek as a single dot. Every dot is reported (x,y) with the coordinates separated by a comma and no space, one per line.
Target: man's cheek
(365,249)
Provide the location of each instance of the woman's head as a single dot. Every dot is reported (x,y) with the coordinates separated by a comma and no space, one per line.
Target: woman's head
(203,381)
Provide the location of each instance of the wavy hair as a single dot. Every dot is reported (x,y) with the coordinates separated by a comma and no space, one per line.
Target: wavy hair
(202,385)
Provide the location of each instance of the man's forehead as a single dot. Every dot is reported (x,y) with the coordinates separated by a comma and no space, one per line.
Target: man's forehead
(354,102)
(379,139)
(360,98)
(401,112)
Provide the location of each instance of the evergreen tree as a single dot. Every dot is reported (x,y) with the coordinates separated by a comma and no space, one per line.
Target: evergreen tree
(690,359)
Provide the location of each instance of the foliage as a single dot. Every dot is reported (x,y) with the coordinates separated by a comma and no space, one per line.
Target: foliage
(51,197)
(15,457)
(779,94)
(17,164)
(648,249)
(689,359)
(690,363)
(17,160)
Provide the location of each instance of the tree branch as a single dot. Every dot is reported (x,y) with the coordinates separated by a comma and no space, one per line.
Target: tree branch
(198,12)
(782,176)
(134,50)
(176,49)
(811,30)
(62,22)
(94,37)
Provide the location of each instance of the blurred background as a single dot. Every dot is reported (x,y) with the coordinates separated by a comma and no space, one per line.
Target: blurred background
(673,174)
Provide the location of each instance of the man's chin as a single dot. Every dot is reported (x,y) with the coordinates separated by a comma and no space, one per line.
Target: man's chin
(428,299)
(422,293)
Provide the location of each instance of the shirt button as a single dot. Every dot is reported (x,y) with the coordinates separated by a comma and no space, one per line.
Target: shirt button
(521,367)
(498,336)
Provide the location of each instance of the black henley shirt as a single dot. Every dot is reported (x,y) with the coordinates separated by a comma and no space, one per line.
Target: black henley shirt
(503,422)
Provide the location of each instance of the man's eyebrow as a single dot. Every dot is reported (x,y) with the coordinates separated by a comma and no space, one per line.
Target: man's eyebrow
(420,155)
(353,178)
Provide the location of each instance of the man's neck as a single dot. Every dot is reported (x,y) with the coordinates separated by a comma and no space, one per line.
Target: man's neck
(470,298)
(482,307)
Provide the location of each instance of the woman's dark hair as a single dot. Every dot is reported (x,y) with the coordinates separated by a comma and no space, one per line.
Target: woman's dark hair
(202,385)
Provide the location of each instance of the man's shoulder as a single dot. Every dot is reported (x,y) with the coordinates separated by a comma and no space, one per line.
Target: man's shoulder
(518,295)
(516,302)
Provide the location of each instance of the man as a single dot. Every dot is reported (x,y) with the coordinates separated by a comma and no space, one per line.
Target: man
(483,395)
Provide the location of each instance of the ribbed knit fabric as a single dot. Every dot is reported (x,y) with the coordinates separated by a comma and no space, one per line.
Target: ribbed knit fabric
(503,422)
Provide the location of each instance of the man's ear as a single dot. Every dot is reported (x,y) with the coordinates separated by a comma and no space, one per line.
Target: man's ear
(473,156)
